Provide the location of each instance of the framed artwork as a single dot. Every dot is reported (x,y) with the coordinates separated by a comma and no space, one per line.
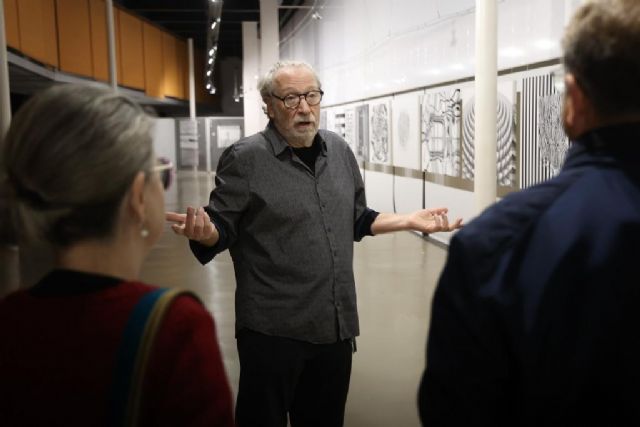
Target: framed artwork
(350,127)
(362,132)
(507,135)
(380,132)
(406,131)
(544,143)
(441,127)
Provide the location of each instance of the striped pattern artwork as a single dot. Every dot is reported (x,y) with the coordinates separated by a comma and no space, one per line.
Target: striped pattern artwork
(505,145)
(543,141)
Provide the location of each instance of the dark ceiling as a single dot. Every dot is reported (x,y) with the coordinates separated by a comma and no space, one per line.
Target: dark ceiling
(188,18)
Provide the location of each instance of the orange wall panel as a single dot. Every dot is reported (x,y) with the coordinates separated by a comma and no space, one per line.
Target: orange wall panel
(183,69)
(99,42)
(153,61)
(50,32)
(132,50)
(37,28)
(74,36)
(99,47)
(11,23)
(170,65)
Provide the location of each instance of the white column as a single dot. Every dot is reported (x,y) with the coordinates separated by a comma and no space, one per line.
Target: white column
(254,118)
(5,99)
(111,42)
(192,85)
(486,103)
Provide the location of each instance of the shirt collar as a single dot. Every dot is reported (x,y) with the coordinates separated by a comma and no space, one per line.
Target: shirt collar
(279,145)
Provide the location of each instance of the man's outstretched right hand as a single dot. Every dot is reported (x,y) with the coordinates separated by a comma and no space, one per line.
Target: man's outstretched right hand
(195,225)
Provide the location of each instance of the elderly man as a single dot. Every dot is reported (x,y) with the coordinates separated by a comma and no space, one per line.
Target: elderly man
(288,203)
(535,318)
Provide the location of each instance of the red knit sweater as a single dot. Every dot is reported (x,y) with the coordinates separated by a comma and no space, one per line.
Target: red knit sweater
(58,343)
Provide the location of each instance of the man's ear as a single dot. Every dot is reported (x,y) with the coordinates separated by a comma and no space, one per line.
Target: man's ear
(136,197)
(268,108)
(577,112)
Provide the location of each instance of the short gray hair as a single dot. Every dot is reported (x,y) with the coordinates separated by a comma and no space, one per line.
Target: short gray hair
(265,85)
(69,157)
(601,48)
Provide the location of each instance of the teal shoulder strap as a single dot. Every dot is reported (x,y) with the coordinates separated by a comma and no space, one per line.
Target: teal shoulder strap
(133,353)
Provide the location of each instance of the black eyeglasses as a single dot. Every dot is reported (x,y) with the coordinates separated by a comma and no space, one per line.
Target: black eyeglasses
(165,168)
(313,97)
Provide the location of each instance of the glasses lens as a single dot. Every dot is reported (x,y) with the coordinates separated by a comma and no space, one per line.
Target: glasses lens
(291,101)
(313,97)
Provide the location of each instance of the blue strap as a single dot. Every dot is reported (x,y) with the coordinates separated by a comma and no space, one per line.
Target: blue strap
(126,356)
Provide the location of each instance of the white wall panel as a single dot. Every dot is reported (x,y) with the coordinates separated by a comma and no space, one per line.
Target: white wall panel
(459,202)
(379,191)
(408,194)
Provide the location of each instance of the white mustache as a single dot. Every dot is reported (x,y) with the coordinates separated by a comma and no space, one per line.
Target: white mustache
(310,120)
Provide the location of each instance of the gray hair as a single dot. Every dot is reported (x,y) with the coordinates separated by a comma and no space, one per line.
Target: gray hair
(601,48)
(69,157)
(265,85)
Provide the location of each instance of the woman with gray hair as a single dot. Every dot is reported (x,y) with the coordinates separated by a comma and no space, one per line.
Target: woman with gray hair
(80,165)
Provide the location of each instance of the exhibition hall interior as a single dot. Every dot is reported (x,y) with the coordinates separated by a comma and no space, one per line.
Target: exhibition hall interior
(400,87)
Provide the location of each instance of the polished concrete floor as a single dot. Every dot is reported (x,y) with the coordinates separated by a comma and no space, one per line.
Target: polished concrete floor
(395,276)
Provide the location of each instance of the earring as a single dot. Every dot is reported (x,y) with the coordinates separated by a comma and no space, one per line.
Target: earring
(144,233)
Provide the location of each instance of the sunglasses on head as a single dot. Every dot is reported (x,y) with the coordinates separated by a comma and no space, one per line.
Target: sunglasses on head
(164,167)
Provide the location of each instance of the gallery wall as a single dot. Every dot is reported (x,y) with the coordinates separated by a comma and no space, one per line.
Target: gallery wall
(398,82)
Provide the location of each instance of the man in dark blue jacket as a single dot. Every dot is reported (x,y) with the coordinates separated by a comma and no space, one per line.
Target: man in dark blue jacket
(536,316)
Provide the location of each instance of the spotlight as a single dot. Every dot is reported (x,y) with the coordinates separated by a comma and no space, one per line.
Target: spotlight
(210,60)
(208,73)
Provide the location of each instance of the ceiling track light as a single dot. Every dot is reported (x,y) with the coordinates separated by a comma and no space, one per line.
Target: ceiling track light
(213,30)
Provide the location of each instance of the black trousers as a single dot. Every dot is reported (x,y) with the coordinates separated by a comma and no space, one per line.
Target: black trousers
(280,375)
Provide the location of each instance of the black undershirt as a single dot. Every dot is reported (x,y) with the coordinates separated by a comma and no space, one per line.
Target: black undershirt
(309,155)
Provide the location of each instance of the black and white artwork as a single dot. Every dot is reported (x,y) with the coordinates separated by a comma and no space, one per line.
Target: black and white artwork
(380,133)
(506,144)
(441,122)
(543,141)
(362,132)
(338,122)
(188,143)
(350,127)
(331,120)
(323,120)
(227,135)
(406,130)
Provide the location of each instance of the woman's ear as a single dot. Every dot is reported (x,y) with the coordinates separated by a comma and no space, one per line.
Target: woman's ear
(137,197)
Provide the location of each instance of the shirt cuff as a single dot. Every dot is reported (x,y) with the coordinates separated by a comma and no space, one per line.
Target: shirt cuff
(362,227)
(204,253)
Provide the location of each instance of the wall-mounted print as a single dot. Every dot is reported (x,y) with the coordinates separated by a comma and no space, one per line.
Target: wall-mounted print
(441,121)
(380,132)
(506,144)
(362,132)
(338,122)
(350,127)
(406,131)
(227,135)
(323,119)
(544,143)
(331,120)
